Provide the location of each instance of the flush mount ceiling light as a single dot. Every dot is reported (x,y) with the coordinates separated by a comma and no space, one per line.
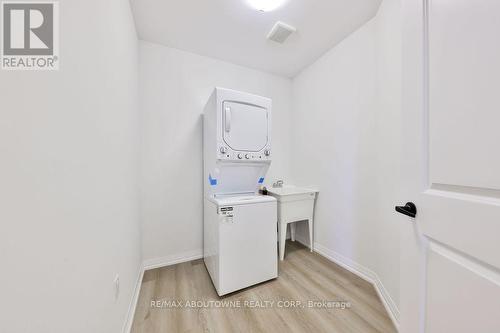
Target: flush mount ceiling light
(265,5)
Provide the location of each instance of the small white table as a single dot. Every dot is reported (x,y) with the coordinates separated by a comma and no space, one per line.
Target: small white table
(294,204)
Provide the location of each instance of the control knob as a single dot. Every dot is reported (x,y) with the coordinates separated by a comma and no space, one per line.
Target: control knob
(267,152)
(240,156)
(223,150)
(247,156)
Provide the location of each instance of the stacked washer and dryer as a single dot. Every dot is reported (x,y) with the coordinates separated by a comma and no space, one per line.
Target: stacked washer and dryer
(239,225)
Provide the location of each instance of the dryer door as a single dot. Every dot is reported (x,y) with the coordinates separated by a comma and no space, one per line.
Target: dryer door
(245,126)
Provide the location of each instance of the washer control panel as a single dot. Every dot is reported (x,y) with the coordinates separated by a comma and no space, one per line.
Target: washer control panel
(225,153)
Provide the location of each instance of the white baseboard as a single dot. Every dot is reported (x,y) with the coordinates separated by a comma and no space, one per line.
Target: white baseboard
(152,264)
(172,259)
(361,271)
(127,326)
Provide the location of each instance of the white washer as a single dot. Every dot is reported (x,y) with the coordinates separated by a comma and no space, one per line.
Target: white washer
(240,241)
(240,227)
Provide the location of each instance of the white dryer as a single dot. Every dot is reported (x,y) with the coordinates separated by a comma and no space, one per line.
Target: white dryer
(240,239)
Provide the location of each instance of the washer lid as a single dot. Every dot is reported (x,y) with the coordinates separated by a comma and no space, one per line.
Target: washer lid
(235,200)
(245,126)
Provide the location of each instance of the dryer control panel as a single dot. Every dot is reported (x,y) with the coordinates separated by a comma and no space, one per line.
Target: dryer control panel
(225,153)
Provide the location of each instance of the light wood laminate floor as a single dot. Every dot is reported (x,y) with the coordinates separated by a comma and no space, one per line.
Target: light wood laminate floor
(303,277)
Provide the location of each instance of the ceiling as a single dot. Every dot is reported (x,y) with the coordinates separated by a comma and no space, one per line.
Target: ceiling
(232,31)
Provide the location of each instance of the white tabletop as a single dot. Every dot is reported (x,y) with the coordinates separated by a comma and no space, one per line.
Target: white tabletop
(291,190)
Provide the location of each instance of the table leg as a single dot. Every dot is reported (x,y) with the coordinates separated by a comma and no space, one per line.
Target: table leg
(310,223)
(282,235)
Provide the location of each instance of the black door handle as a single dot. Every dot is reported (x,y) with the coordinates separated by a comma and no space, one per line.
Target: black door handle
(409,209)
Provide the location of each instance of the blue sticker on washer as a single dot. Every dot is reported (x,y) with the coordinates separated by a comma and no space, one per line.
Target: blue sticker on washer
(261,180)
(212,181)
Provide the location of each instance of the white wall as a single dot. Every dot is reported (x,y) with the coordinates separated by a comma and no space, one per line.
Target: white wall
(68,178)
(334,121)
(346,123)
(174,87)
(388,138)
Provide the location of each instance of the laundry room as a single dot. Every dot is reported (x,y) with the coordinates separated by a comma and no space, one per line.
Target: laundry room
(249,166)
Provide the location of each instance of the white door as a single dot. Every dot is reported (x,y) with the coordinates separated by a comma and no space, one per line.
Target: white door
(450,259)
(245,126)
